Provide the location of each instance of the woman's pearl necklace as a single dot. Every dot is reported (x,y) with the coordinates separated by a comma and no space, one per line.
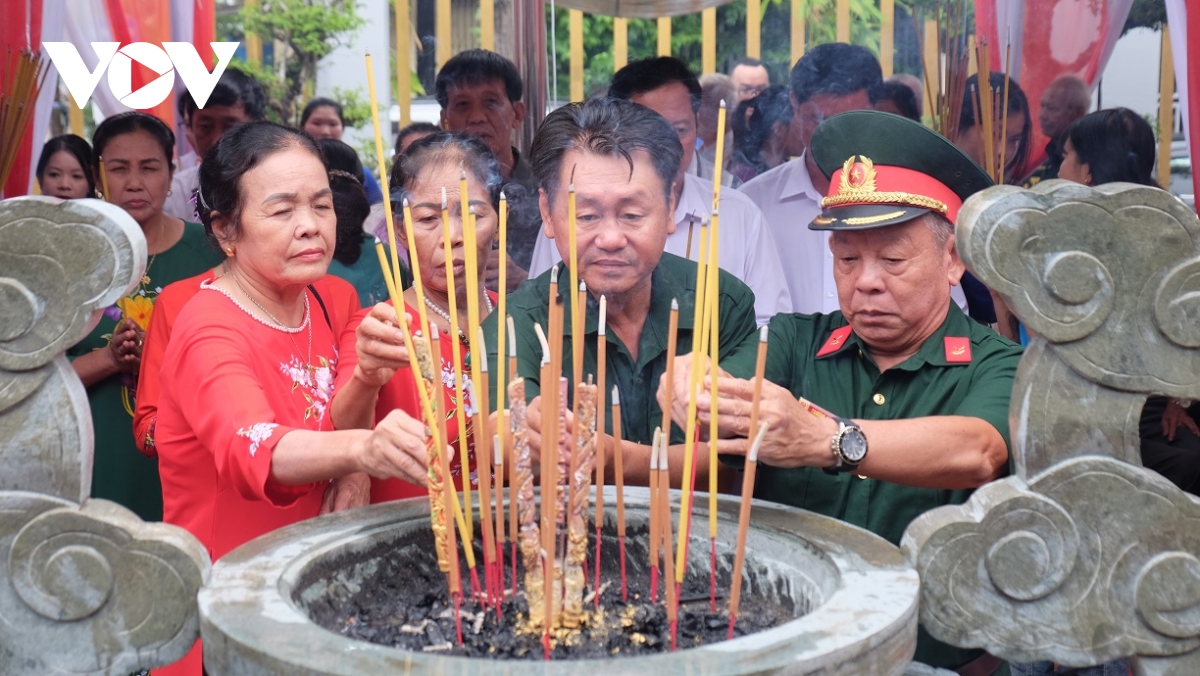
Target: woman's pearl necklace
(446,315)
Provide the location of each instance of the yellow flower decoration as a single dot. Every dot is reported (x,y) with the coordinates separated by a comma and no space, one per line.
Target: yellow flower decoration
(137,308)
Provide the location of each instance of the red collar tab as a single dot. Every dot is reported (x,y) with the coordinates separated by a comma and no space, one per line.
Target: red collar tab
(837,340)
(958,350)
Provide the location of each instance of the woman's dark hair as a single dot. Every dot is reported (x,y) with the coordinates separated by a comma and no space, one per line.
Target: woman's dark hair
(321,102)
(439,148)
(1116,144)
(1017,104)
(752,131)
(78,148)
(128,123)
(239,150)
(414,128)
(349,198)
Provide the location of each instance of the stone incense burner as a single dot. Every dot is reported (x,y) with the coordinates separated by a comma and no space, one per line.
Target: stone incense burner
(853,599)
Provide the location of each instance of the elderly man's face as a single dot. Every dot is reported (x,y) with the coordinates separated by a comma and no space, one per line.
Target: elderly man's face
(484,111)
(894,282)
(1056,113)
(623,220)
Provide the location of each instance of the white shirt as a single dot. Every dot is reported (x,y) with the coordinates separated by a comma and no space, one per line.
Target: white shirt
(179,202)
(747,250)
(789,202)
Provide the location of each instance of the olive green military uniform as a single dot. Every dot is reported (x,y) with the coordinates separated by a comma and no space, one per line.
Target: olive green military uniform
(964,369)
(636,380)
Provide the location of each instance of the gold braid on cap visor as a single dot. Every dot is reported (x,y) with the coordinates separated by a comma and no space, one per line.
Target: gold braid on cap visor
(897,198)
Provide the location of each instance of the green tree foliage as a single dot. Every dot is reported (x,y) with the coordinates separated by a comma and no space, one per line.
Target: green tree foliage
(306,30)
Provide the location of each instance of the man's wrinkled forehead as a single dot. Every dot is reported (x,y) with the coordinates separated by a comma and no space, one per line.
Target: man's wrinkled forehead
(619,180)
(472,86)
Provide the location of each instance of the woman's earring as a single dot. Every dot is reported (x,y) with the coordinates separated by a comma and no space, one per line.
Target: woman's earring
(169,192)
(230,252)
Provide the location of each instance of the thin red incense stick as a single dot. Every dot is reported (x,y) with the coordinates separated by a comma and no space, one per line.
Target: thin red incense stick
(619,471)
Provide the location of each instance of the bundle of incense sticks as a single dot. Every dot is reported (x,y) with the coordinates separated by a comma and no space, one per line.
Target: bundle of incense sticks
(24,74)
(945,84)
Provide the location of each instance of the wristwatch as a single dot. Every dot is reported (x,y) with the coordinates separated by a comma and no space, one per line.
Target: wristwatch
(849,447)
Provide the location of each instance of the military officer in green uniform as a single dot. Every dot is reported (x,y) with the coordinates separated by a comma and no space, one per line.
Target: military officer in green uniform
(917,393)
(624,159)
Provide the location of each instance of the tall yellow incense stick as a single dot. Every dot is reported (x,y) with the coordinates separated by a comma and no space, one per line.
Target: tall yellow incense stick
(694,379)
(475,349)
(577,312)
(719,160)
(379,156)
(418,283)
(460,409)
(448,491)
(512,465)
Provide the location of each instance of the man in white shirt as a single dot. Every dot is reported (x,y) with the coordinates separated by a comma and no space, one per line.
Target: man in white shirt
(747,251)
(829,79)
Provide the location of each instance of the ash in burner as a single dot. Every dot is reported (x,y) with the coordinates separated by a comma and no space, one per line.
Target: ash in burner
(393,594)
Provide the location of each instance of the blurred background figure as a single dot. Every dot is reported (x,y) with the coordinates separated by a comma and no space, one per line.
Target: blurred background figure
(1107,146)
(411,134)
(64,169)
(323,118)
(1017,135)
(354,258)
(236,98)
(762,134)
(913,83)
(898,99)
(136,151)
(1067,99)
(703,164)
(750,78)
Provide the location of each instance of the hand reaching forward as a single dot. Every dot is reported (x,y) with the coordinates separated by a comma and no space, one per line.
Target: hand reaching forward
(380,347)
(396,449)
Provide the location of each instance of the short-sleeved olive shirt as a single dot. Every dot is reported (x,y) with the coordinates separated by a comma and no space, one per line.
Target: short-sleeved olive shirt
(964,369)
(637,381)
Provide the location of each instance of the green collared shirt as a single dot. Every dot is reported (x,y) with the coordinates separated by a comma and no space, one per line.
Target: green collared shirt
(637,381)
(964,369)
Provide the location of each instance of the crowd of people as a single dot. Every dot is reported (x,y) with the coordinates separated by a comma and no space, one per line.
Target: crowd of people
(259,370)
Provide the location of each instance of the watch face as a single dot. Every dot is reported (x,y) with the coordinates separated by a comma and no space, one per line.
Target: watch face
(854,445)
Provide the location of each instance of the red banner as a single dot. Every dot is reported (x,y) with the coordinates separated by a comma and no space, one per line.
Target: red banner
(1049,38)
(21,30)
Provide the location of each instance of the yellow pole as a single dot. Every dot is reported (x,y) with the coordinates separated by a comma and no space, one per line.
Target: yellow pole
(797,30)
(253,42)
(445,47)
(753,28)
(843,20)
(75,117)
(664,36)
(404,62)
(708,39)
(487,24)
(575,21)
(620,43)
(1166,110)
(887,36)
(933,61)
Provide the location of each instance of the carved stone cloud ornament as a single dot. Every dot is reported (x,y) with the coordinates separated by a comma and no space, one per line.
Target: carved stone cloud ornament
(1082,556)
(84,588)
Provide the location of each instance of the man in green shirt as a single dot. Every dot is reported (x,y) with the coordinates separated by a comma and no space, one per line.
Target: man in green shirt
(623,159)
(898,403)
